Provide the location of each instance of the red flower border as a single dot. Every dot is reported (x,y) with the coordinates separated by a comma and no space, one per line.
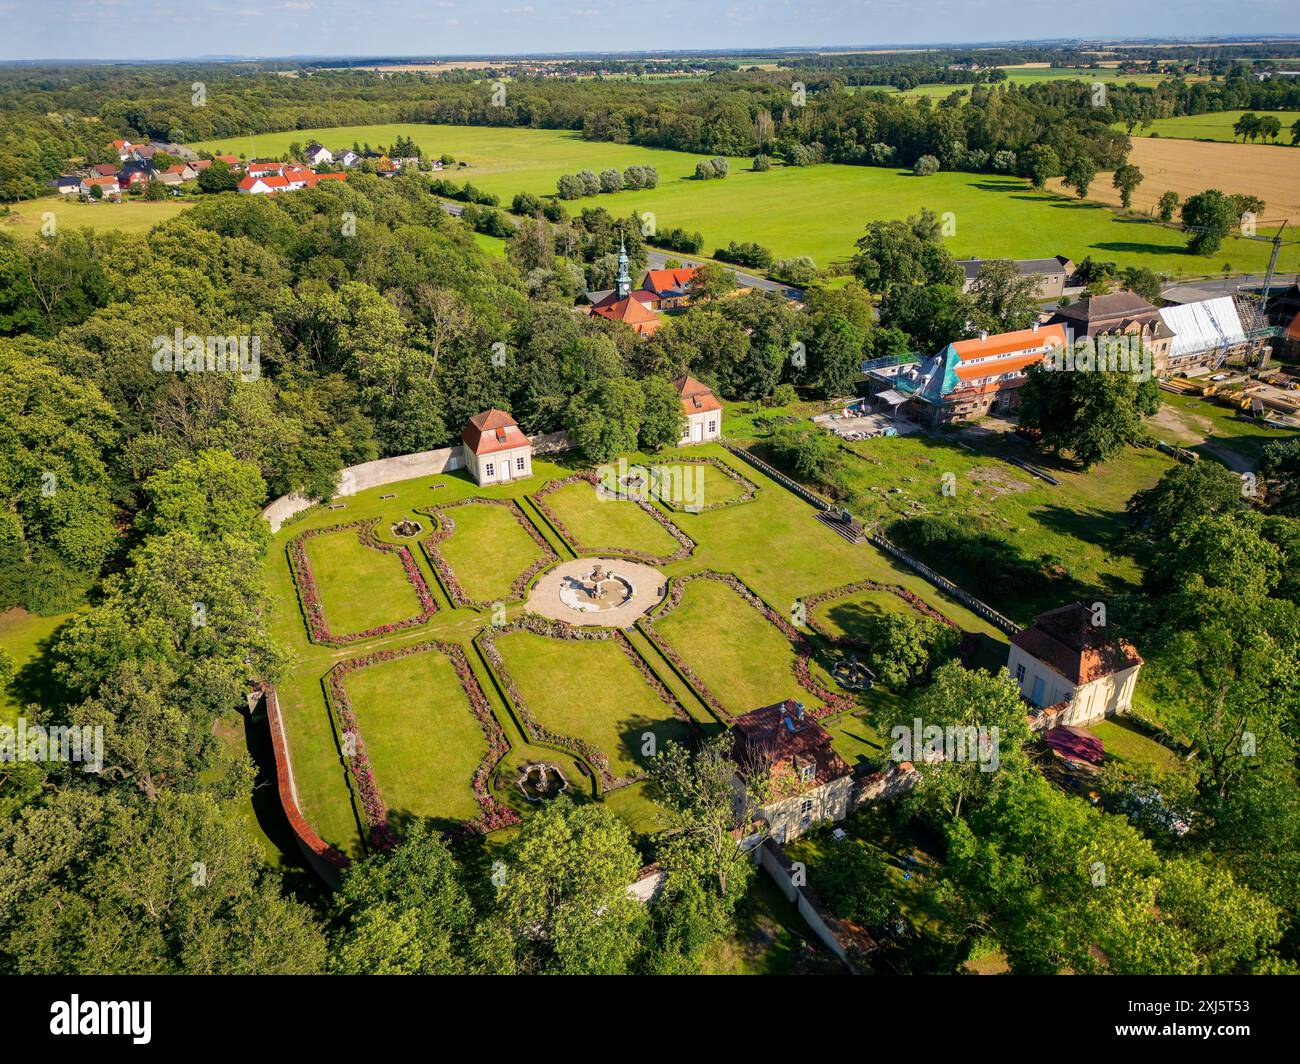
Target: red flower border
(533,728)
(446,526)
(493,815)
(313,610)
(686,545)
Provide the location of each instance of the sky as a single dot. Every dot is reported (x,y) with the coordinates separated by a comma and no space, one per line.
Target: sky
(167,29)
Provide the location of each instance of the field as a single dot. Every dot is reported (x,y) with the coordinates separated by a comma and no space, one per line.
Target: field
(24,637)
(130,216)
(1189,166)
(818,211)
(1215,126)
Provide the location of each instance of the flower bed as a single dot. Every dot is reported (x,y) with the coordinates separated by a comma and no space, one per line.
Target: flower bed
(538,732)
(447,527)
(910,597)
(313,609)
(686,545)
(748,488)
(493,813)
(802,666)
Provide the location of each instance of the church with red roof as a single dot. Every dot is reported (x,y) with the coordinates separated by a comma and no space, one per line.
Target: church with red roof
(633,309)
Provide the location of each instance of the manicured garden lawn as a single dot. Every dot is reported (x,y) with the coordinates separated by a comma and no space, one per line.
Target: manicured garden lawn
(25,637)
(588,689)
(818,211)
(597,524)
(130,216)
(857,740)
(1122,740)
(741,656)
(696,484)
(360,587)
(1215,126)
(422,737)
(488,550)
(848,615)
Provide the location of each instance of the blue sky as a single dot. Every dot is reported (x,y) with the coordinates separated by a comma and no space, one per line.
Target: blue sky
(160,29)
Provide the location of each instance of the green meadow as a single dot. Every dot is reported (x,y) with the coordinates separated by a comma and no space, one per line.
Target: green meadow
(1215,126)
(818,211)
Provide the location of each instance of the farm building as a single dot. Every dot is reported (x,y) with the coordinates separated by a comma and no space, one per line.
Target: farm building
(1056,276)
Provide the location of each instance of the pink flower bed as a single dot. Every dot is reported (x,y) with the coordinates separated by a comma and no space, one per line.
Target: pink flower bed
(686,545)
(309,593)
(493,814)
(447,526)
(802,666)
(538,732)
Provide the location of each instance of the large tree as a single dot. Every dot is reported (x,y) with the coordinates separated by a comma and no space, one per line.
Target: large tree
(1089,414)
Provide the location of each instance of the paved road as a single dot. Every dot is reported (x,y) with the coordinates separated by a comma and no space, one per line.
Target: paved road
(1213,287)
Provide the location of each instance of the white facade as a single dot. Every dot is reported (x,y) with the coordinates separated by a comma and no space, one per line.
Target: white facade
(1043,686)
(791,817)
(319,155)
(702,427)
(499,467)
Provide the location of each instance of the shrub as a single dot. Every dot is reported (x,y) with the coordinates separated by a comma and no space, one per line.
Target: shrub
(925,166)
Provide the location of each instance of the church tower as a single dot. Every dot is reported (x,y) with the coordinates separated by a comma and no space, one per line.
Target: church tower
(623,282)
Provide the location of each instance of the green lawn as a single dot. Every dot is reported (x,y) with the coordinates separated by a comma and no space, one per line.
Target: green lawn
(597,524)
(360,587)
(686,485)
(589,690)
(132,215)
(25,637)
(422,737)
(1214,430)
(739,655)
(1122,740)
(857,740)
(488,550)
(818,211)
(1215,126)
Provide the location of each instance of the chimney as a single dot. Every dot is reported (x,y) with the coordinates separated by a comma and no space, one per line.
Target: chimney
(798,710)
(1034,327)
(984,334)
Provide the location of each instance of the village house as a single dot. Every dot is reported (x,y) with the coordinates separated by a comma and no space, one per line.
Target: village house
(66,186)
(495,449)
(967,379)
(348,158)
(1056,276)
(105,169)
(107,185)
(701,409)
(317,154)
(787,772)
(123,149)
(1071,670)
(669,288)
(1117,315)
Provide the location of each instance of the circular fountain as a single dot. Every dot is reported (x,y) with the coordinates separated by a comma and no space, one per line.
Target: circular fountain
(541,781)
(406,528)
(599,591)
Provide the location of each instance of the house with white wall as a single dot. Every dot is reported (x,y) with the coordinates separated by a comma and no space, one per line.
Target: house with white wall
(787,771)
(1078,670)
(701,409)
(496,450)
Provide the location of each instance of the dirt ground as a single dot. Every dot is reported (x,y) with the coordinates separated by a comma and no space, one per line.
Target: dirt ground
(1191,166)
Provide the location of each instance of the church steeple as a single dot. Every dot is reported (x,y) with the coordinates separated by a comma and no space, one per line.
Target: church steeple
(623,282)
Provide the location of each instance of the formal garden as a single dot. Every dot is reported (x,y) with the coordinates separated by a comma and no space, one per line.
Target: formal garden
(425,682)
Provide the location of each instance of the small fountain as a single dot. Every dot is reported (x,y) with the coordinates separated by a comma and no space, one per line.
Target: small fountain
(852,675)
(541,782)
(407,529)
(597,592)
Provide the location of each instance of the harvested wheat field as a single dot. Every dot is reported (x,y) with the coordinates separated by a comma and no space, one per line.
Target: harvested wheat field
(1191,166)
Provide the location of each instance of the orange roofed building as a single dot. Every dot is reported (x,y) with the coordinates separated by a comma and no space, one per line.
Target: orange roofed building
(669,288)
(496,450)
(971,378)
(701,409)
(1076,670)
